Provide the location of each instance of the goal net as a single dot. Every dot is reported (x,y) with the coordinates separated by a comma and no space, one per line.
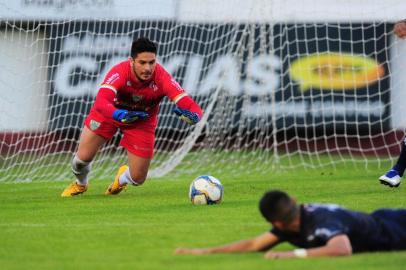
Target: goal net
(278,92)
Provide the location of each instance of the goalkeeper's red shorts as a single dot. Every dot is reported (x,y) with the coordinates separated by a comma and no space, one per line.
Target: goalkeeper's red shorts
(137,138)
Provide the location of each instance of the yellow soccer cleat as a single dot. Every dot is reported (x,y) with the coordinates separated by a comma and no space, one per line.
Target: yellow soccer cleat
(115,187)
(73,189)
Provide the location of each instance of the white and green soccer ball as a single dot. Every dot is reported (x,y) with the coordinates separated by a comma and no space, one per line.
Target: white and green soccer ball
(206,189)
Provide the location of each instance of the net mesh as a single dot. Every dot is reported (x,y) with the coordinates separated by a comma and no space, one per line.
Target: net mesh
(276,95)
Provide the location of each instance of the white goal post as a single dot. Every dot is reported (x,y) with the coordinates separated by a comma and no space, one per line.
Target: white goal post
(282,84)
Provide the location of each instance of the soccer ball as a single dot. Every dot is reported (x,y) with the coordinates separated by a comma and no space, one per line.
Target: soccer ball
(206,189)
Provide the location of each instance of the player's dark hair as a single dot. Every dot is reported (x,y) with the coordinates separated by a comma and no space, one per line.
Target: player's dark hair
(276,205)
(141,45)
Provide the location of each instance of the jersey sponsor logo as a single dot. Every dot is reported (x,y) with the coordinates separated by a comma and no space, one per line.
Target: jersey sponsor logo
(94,124)
(112,78)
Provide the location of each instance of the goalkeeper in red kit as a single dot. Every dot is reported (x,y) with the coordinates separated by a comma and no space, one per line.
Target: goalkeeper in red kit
(129,99)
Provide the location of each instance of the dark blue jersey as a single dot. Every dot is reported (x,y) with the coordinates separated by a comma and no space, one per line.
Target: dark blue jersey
(384,229)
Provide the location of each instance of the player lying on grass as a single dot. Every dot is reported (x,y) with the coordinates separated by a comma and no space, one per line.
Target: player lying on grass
(392,177)
(318,230)
(128,100)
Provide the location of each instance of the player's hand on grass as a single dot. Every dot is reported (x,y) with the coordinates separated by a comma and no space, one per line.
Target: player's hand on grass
(189,117)
(128,117)
(400,29)
(278,254)
(193,251)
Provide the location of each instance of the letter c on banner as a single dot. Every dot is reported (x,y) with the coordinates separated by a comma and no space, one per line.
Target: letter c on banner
(65,71)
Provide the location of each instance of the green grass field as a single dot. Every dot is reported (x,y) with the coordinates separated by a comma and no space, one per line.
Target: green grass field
(140,228)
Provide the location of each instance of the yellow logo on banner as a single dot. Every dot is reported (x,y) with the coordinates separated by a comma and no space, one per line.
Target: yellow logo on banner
(335,71)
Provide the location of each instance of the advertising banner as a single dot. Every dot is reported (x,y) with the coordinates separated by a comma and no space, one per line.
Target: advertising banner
(322,76)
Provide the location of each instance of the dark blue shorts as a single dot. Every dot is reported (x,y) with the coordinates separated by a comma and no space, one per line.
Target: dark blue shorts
(393,222)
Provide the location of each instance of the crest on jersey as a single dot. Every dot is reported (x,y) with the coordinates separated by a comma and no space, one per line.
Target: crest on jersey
(136,98)
(94,125)
(129,83)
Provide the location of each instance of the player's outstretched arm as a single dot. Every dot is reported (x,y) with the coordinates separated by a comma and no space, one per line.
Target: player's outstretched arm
(337,246)
(258,243)
(400,29)
(186,108)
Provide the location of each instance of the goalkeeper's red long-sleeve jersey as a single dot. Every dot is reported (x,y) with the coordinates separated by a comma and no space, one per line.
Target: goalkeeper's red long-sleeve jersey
(122,90)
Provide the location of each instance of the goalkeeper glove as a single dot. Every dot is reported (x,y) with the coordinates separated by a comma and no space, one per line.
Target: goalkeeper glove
(127,117)
(189,117)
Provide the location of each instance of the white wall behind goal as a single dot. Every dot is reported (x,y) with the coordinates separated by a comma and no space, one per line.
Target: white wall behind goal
(87,9)
(208,10)
(292,10)
(24,83)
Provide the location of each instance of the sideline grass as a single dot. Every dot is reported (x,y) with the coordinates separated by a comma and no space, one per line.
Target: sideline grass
(140,228)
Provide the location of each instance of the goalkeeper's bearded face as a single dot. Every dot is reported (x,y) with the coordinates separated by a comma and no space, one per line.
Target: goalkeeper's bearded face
(143,65)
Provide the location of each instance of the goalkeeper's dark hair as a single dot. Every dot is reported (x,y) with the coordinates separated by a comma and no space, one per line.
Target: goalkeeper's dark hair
(276,205)
(141,45)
